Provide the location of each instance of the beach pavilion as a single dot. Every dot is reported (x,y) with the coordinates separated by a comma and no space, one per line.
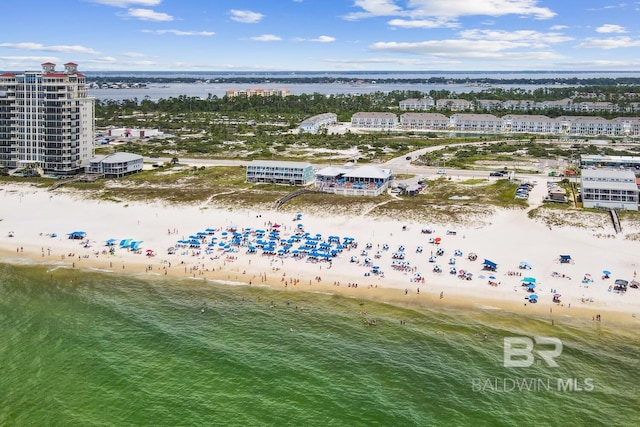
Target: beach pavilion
(362,181)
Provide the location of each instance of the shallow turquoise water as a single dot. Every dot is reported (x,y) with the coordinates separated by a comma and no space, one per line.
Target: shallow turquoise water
(80,348)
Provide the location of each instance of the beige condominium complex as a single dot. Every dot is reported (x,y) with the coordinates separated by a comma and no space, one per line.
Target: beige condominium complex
(46,120)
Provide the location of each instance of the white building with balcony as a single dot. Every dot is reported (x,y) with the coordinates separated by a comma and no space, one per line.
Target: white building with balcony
(526,123)
(453,104)
(609,189)
(315,123)
(46,120)
(475,123)
(426,103)
(424,121)
(374,120)
(116,165)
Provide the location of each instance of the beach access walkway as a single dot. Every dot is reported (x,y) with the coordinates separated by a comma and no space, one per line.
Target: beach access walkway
(281,201)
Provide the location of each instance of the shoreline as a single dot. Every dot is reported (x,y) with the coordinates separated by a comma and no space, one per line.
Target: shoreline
(33,214)
(430,299)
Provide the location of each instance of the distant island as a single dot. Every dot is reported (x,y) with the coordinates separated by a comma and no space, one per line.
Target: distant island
(321,79)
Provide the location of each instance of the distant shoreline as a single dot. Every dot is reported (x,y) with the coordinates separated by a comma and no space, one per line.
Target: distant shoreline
(428,78)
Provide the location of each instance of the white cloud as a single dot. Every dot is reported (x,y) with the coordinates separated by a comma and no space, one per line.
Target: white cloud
(450,9)
(148,15)
(55,48)
(531,37)
(447,47)
(29,59)
(375,8)
(127,3)
(105,59)
(404,61)
(133,54)
(423,23)
(266,38)
(465,48)
(558,27)
(180,32)
(611,28)
(245,16)
(320,39)
(611,43)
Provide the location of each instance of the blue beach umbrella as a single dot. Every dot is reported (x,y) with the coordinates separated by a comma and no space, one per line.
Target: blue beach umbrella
(533,297)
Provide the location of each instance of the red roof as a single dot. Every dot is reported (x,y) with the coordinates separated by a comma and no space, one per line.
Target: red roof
(70,63)
(56,75)
(48,63)
(8,75)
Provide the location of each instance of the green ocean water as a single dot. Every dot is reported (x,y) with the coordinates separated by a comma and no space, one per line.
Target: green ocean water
(96,349)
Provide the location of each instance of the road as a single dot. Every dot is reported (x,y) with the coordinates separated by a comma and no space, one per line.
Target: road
(398,165)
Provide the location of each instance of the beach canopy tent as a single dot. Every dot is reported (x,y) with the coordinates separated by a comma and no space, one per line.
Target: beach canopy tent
(525,265)
(490,265)
(529,280)
(565,259)
(111,242)
(620,285)
(77,235)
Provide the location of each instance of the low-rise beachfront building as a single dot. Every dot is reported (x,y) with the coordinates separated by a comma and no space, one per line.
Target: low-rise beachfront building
(315,123)
(425,103)
(232,93)
(609,189)
(374,120)
(133,133)
(488,104)
(589,125)
(453,104)
(593,107)
(591,161)
(279,172)
(362,181)
(565,104)
(475,123)
(526,123)
(630,126)
(517,105)
(424,121)
(116,165)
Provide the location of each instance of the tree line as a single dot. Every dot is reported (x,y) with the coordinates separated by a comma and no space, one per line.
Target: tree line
(299,107)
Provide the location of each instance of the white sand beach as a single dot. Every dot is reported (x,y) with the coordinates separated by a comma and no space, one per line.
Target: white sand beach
(31,216)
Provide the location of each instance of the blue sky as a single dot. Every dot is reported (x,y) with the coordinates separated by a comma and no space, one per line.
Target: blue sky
(322,35)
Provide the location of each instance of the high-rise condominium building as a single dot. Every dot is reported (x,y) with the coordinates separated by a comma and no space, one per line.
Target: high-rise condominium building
(46,120)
